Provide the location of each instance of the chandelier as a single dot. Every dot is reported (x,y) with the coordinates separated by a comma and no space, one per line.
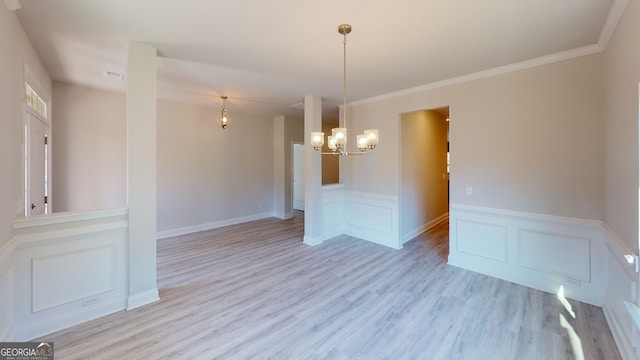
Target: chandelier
(337,141)
(223,118)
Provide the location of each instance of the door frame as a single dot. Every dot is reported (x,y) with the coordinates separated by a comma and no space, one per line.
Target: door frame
(28,115)
(293,169)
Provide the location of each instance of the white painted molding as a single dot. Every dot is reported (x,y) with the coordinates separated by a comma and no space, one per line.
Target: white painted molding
(66,217)
(141,299)
(12,5)
(528,215)
(312,241)
(620,294)
(412,234)
(379,225)
(67,320)
(212,225)
(7,250)
(619,249)
(535,250)
(6,303)
(528,64)
(615,14)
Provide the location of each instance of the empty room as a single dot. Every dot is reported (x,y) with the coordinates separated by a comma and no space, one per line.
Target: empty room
(320,180)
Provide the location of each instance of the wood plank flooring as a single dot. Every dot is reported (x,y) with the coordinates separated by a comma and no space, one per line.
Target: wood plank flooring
(255,291)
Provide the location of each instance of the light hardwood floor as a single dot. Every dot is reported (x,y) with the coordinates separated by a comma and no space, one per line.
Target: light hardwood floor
(255,291)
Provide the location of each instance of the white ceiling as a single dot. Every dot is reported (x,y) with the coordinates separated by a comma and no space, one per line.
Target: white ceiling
(267,55)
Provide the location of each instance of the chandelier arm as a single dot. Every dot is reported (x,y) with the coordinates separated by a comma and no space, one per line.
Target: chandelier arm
(346,153)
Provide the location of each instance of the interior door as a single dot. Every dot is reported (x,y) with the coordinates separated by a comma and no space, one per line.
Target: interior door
(37,166)
(298,177)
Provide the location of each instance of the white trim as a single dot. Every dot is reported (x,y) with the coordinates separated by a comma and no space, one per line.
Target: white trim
(528,215)
(141,299)
(12,5)
(66,217)
(531,249)
(412,234)
(614,17)
(543,60)
(212,225)
(312,241)
(68,320)
(621,291)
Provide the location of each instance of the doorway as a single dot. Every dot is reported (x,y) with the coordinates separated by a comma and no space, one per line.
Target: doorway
(37,152)
(424,170)
(298,176)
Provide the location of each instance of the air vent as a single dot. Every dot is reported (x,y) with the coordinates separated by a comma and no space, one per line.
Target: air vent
(297,106)
(113,75)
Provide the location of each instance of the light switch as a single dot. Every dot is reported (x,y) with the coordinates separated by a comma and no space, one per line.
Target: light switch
(468,189)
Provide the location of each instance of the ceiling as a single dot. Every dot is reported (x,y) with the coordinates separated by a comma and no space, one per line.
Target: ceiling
(267,55)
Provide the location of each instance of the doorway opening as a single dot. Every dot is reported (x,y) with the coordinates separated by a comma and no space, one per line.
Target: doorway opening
(424,170)
(298,177)
(37,154)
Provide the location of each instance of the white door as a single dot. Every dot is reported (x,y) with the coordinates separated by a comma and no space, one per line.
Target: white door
(298,177)
(36,167)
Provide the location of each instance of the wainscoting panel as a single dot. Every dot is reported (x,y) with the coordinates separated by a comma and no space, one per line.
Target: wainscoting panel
(622,288)
(540,251)
(6,297)
(373,217)
(485,240)
(333,210)
(68,268)
(533,253)
(79,283)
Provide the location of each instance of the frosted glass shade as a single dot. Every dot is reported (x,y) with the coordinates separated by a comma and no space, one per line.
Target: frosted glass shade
(340,135)
(317,140)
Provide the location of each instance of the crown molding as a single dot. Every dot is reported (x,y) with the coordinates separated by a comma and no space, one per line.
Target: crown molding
(615,14)
(12,5)
(560,56)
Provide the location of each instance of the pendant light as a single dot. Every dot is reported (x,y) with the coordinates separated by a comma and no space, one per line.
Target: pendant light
(337,142)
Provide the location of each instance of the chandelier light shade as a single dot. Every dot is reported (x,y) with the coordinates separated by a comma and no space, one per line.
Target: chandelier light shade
(223,117)
(337,141)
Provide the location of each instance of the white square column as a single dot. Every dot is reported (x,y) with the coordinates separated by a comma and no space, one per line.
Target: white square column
(141,174)
(313,234)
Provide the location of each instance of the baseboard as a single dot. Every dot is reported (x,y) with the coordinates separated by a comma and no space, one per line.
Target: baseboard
(141,299)
(212,225)
(412,234)
(312,241)
(53,324)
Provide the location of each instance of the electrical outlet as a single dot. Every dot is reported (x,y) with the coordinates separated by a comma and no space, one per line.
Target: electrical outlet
(468,190)
(90,301)
(571,282)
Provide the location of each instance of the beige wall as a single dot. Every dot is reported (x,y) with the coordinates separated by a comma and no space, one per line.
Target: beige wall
(204,174)
(287,130)
(90,148)
(621,77)
(16,51)
(528,140)
(423,163)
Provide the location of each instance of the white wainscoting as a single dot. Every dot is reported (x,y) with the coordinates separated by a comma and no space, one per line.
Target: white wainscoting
(373,217)
(367,216)
(6,299)
(333,210)
(539,251)
(67,268)
(622,287)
